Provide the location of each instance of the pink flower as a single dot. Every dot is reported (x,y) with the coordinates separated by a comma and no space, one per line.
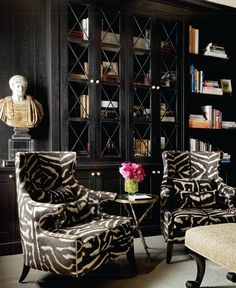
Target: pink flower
(132,170)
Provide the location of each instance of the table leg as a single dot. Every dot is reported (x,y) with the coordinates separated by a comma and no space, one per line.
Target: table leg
(137,222)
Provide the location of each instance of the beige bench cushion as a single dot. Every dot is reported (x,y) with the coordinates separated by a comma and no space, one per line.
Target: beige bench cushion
(215,242)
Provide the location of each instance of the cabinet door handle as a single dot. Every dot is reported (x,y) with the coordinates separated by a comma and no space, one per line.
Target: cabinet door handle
(153,172)
(98,173)
(91,81)
(158,172)
(97,81)
(153,87)
(10,176)
(92,174)
(157,87)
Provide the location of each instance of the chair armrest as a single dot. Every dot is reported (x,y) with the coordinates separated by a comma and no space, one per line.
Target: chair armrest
(229,194)
(95,195)
(166,198)
(37,209)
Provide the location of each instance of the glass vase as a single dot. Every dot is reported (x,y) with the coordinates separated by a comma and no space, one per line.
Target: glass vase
(131,186)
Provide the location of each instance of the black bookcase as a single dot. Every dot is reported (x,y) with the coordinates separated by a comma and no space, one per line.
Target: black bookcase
(121,84)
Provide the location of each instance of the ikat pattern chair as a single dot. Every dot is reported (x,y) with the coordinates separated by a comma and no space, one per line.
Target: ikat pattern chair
(192,194)
(63,227)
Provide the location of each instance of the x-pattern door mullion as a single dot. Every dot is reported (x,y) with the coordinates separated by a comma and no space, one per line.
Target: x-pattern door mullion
(141,102)
(79,137)
(141,66)
(142,30)
(110,138)
(77,59)
(110,25)
(142,137)
(168,34)
(78,19)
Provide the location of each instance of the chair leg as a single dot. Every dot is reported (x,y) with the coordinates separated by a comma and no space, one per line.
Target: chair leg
(24,273)
(169,251)
(131,259)
(231,276)
(201,266)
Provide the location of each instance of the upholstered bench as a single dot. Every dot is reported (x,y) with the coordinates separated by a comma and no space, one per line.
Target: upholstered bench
(214,242)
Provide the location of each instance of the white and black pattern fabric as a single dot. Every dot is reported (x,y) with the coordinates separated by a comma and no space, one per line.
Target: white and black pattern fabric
(62,225)
(193,194)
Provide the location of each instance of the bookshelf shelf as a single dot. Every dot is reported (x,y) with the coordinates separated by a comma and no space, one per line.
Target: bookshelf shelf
(206,73)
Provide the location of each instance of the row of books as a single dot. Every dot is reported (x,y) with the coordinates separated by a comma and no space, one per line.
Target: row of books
(84,106)
(193,40)
(201,85)
(210,118)
(198,145)
(215,50)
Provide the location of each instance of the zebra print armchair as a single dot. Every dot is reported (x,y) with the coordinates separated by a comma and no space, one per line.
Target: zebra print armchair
(192,194)
(62,225)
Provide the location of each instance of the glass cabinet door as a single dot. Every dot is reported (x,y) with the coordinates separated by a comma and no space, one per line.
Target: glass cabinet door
(169,92)
(109,105)
(78,84)
(144,92)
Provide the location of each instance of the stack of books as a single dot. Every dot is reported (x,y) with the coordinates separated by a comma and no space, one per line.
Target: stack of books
(193,40)
(198,121)
(211,87)
(215,51)
(214,116)
(228,124)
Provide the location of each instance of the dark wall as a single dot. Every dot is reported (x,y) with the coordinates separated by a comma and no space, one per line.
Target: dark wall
(27,48)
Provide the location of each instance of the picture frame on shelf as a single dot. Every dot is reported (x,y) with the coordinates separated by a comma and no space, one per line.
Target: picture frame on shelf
(226,85)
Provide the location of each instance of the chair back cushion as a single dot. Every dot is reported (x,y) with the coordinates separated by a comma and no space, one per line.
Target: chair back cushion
(47,175)
(187,166)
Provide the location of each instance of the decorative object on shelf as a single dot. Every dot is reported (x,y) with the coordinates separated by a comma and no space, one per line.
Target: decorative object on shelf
(226,85)
(133,174)
(22,112)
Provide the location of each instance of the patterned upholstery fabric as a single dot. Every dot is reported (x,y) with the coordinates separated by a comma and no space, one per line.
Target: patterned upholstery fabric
(63,228)
(193,193)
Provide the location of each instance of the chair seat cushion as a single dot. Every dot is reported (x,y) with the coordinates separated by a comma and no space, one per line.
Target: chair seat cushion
(100,234)
(180,220)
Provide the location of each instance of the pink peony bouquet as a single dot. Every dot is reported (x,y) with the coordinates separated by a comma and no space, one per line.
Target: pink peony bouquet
(132,171)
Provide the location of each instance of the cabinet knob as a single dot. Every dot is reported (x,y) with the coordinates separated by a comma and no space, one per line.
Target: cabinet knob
(98,173)
(153,172)
(158,87)
(91,81)
(153,87)
(10,176)
(158,172)
(92,174)
(97,81)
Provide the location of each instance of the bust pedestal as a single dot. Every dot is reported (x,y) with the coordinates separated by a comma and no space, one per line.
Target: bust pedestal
(20,142)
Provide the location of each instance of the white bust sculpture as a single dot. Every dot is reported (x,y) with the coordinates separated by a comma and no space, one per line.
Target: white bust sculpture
(20,110)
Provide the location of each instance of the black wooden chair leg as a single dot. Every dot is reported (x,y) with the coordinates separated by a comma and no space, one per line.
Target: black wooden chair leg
(131,259)
(201,267)
(231,276)
(169,251)
(24,273)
